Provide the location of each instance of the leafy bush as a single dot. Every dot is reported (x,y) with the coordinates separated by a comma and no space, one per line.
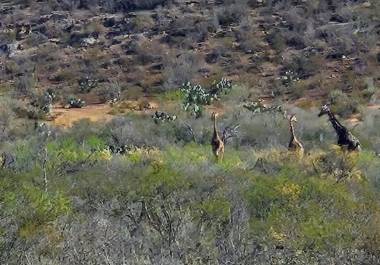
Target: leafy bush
(168,196)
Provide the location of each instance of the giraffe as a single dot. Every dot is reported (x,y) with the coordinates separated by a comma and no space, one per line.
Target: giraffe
(6,160)
(217,142)
(345,137)
(294,144)
(2,160)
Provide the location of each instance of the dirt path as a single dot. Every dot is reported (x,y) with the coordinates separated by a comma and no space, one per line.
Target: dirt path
(101,113)
(97,112)
(67,117)
(356,119)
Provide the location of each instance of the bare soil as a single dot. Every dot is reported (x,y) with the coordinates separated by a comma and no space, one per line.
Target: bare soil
(67,117)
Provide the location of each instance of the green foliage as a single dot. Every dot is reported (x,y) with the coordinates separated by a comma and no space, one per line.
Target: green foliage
(163,200)
(161,178)
(234,160)
(172,95)
(172,195)
(216,209)
(23,152)
(95,142)
(189,154)
(370,89)
(32,208)
(67,150)
(306,211)
(46,207)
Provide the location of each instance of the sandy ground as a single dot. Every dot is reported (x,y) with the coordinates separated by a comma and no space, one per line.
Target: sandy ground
(64,117)
(95,113)
(101,113)
(356,119)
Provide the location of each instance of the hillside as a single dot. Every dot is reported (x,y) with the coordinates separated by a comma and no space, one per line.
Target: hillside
(288,49)
(106,150)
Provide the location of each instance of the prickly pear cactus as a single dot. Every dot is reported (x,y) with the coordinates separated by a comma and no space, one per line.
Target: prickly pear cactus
(195,96)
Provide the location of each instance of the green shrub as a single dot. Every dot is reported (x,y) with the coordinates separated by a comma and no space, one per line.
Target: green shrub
(305,212)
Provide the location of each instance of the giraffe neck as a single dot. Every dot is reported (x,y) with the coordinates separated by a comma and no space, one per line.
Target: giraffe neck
(215,131)
(339,128)
(291,127)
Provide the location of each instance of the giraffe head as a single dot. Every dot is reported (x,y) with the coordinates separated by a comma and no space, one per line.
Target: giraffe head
(324,110)
(214,115)
(292,118)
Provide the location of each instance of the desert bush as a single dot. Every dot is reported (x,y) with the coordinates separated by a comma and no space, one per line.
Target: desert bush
(176,197)
(276,39)
(298,68)
(248,42)
(163,199)
(369,132)
(142,23)
(44,101)
(187,199)
(24,85)
(110,92)
(232,13)
(342,104)
(148,52)
(6,118)
(36,39)
(286,200)
(369,90)
(178,70)
(269,128)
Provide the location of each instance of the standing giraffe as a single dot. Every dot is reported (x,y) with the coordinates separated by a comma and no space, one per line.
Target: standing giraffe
(294,144)
(345,137)
(217,142)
